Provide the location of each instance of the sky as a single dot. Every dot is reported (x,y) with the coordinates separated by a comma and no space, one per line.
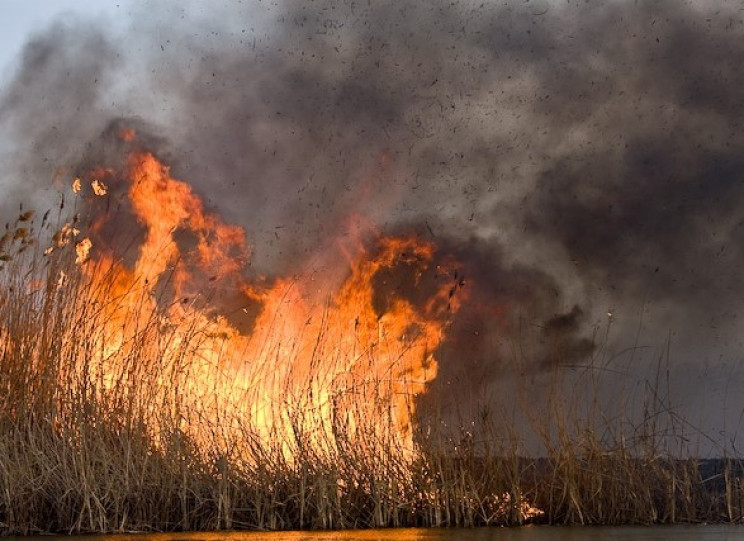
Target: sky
(22,19)
(581,159)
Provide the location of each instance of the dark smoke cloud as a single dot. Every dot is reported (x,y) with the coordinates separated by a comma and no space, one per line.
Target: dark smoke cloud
(48,111)
(578,159)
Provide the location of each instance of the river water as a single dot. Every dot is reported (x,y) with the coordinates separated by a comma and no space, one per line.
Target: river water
(527,533)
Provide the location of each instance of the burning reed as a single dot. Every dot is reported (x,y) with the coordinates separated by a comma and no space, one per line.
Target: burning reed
(148,384)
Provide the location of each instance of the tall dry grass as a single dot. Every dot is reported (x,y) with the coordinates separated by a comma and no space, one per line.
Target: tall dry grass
(87,449)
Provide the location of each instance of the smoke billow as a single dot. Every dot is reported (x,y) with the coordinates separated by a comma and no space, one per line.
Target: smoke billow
(577,160)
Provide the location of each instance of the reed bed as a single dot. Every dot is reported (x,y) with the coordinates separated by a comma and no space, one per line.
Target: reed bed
(85,449)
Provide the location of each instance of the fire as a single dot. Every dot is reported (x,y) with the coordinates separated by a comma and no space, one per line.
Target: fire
(268,361)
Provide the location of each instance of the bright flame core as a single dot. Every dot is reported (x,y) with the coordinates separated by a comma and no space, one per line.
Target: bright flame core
(246,359)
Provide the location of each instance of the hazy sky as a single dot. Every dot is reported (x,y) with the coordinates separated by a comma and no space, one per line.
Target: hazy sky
(20,19)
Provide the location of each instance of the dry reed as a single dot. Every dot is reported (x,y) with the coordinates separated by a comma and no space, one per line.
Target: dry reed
(84,451)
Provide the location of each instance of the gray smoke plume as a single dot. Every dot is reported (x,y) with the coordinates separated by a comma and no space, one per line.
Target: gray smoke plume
(583,162)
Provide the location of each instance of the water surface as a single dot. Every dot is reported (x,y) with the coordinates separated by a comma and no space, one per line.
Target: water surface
(527,533)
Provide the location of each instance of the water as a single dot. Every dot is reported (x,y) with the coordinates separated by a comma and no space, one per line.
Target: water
(527,533)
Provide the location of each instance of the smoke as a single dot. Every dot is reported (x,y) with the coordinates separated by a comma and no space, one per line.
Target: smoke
(582,162)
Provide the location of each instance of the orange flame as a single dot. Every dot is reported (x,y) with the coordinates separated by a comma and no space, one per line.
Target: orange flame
(345,368)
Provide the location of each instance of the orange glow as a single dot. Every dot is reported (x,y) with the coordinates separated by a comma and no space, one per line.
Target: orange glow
(345,365)
(128,134)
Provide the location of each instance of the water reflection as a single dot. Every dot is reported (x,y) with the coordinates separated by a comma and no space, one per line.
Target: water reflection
(527,533)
